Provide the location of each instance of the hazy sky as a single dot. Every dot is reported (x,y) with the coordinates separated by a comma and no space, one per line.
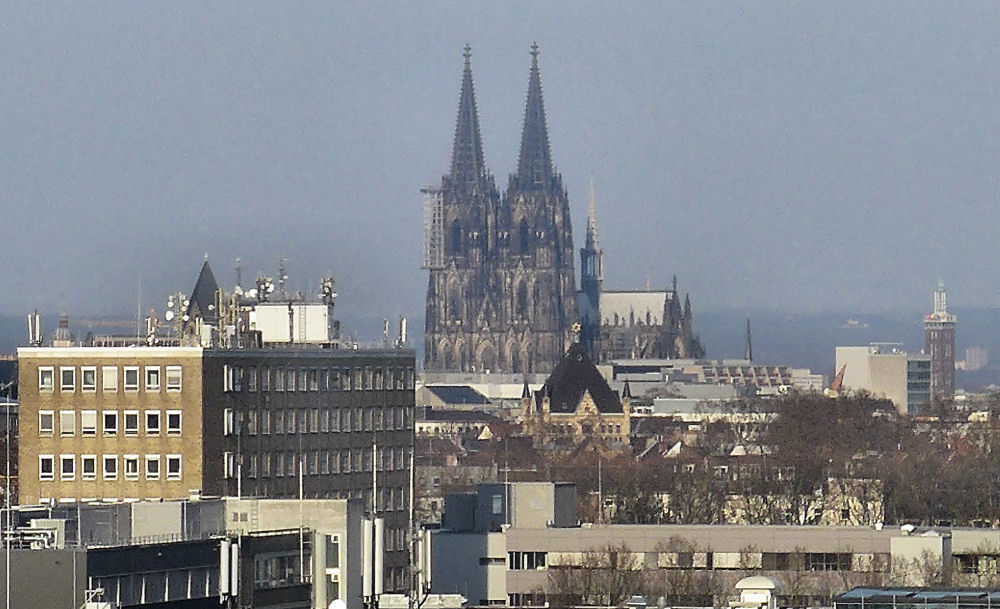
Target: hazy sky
(795,155)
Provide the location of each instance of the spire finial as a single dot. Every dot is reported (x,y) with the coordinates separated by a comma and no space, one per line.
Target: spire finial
(468,55)
(534,53)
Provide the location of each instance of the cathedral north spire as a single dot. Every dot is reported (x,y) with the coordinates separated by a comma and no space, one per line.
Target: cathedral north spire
(468,169)
(534,165)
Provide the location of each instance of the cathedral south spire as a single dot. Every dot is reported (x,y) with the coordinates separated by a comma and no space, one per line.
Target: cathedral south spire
(468,169)
(534,165)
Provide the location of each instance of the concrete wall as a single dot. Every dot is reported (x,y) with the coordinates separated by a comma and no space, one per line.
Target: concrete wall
(45,578)
(471,564)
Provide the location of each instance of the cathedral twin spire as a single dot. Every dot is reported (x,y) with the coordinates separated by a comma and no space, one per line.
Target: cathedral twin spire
(534,166)
(468,169)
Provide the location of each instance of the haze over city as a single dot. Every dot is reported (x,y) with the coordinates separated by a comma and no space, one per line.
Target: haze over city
(772,155)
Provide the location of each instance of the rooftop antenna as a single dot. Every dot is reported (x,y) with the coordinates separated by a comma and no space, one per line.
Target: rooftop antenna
(385,332)
(748,353)
(401,338)
(282,276)
(239,273)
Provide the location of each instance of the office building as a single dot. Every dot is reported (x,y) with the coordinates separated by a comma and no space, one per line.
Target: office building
(886,370)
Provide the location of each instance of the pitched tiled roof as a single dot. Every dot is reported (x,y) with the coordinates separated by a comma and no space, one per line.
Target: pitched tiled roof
(572,378)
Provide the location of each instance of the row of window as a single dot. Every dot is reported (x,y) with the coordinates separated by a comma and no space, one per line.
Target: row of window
(68,467)
(316,420)
(152,378)
(318,462)
(109,422)
(287,378)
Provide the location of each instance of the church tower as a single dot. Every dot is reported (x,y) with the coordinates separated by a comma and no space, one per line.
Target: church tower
(461,243)
(538,262)
(591,282)
(501,294)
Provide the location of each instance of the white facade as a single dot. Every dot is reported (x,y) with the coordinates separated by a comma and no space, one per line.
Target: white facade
(282,322)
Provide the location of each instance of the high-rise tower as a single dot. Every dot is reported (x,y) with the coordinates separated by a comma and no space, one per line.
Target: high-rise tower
(501,292)
(939,334)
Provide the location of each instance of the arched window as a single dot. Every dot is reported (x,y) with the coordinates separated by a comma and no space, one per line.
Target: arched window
(456,237)
(523,234)
(522,300)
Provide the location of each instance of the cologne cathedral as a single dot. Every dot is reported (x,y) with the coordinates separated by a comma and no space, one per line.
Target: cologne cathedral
(502,295)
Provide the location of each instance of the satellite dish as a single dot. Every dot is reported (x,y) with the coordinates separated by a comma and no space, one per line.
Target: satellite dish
(238,291)
(187,303)
(170,302)
(185,318)
(337,604)
(169,315)
(252,292)
(270,288)
(211,307)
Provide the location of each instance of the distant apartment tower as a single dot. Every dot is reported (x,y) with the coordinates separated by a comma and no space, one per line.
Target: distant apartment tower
(885,370)
(939,332)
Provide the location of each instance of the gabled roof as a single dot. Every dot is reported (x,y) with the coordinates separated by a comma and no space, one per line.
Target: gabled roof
(204,294)
(574,376)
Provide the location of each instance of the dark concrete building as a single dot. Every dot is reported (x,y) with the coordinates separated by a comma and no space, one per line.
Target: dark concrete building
(939,332)
(501,294)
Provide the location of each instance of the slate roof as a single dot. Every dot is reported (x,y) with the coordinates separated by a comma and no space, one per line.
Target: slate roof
(573,376)
(457,394)
(204,294)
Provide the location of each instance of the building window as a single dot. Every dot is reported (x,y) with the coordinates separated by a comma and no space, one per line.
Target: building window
(46,422)
(324,420)
(302,383)
(131,422)
(88,467)
(152,378)
(290,421)
(46,467)
(110,422)
(228,422)
(88,423)
(88,378)
(827,561)
(109,378)
(131,378)
(279,379)
(46,378)
(173,422)
(67,378)
(131,467)
(152,422)
(265,378)
(290,379)
(67,467)
(229,465)
(67,422)
(174,376)
(301,420)
(110,467)
(526,561)
(152,467)
(252,379)
(314,420)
